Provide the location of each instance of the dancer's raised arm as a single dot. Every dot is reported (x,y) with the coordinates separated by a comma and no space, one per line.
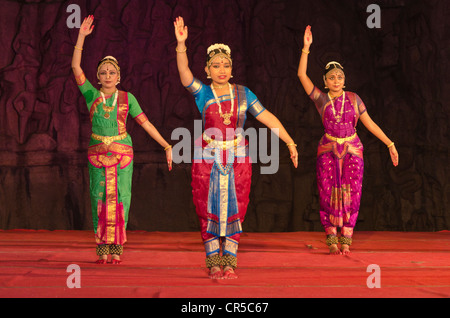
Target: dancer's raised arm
(181,32)
(303,65)
(86,28)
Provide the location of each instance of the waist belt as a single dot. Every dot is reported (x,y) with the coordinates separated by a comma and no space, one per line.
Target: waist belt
(226,144)
(341,140)
(109,139)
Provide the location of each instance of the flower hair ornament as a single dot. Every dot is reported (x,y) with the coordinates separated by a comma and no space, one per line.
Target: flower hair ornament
(217,50)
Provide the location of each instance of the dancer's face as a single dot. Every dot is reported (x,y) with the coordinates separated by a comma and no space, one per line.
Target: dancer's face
(335,81)
(220,71)
(108,76)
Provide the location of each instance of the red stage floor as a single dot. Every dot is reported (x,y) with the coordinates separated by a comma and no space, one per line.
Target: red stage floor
(33,264)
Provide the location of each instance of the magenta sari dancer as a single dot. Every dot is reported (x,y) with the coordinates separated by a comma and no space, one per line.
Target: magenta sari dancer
(340,164)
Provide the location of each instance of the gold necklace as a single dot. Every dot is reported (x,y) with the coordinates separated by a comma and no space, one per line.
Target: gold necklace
(226,117)
(341,112)
(109,109)
(334,97)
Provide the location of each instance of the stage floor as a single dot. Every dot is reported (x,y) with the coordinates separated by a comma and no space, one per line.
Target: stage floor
(34,264)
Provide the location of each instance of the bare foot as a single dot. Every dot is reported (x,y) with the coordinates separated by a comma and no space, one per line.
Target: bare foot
(115,259)
(334,250)
(102,259)
(215,272)
(228,273)
(345,249)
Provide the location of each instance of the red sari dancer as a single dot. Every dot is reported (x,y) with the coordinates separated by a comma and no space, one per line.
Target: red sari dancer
(221,177)
(340,162)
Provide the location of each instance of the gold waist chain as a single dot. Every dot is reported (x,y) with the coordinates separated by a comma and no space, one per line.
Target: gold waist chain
(226,144)
(341,140)
(107,140)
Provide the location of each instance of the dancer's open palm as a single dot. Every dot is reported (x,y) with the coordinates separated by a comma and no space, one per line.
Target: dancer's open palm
(86,27)
(308,38)
(181,31)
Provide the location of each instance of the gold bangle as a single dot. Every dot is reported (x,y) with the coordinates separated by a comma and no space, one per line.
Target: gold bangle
(292,144)
(390,145)
(185,49)
(78,48)
(169,146)
(306,52)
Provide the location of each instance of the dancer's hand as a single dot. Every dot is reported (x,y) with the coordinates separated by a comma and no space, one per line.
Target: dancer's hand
(181,31)
(86,27)
(294,155)
(169,157)
(394,155)
(307,38)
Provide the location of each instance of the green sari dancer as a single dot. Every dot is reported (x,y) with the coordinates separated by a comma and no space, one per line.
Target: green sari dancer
(110,151)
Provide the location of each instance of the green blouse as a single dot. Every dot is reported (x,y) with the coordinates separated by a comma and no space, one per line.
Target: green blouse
(112,123)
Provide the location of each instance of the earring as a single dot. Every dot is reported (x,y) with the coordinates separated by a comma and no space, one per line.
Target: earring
(326,87)
(231,76)
(208,77)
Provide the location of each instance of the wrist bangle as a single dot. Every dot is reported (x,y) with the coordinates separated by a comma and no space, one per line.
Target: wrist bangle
(291,144)
(390,145)
(185,49)
(306,52)
(78,48)
(169,146)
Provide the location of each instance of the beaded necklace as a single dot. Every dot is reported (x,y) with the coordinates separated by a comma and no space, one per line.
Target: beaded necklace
(108,109)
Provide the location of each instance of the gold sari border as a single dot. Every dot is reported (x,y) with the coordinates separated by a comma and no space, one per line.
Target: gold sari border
(80,79)
(141,119)
(122,112)
(103,155)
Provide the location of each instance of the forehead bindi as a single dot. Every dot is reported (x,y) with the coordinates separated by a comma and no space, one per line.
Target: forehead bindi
(221,61)
(335,73)
(108,67)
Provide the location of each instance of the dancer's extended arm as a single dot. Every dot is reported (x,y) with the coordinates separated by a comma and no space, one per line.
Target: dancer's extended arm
(272,122)
(377,132)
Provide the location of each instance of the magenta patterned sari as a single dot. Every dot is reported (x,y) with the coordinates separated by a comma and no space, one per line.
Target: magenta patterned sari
(340,164)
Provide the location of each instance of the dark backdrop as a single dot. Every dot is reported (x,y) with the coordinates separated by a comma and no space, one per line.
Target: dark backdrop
(400,71)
